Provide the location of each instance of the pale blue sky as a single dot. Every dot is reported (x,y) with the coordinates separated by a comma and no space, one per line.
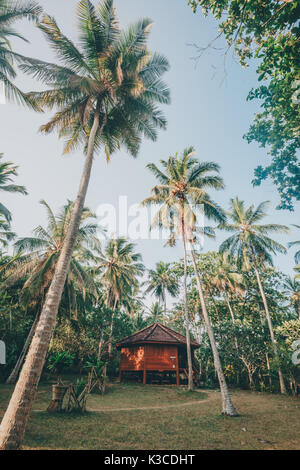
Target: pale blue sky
(204,113)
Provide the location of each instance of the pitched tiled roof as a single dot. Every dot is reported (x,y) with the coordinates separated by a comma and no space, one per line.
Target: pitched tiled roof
(156,333)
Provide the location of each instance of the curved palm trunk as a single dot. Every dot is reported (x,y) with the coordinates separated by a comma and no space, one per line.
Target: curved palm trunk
(15,372)
(262,293)
(227,405)
(233,320)
(187,320)
(213,300)
(229,308)
(186,312)
(269,370)
(13,426)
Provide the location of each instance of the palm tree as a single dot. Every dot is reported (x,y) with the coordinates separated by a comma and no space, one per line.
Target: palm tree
(7,172)
(119,268)
(10,12)
(252,246)
(182,186)
(162,281)
(155,313)
(106,93)
(296,243)
(292,286)
(39,255)
(6,234)
(226,279)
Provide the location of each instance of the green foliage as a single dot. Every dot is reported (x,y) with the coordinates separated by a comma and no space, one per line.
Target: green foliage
(161,281)
(80,341)
(289,331)
(267,31)
(38,255)
(120,267)
(79,386)
(10,12)
(60,362)
(244,342)
(184,182)
(296,243)
(250,242)
(8,171)
(97,365)
(124,89)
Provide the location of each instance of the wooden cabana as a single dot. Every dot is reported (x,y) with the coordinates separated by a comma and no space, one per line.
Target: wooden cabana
(155,349)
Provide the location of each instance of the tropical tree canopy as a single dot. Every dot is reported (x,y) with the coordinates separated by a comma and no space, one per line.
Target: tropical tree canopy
(10,12)
(296,243)
(38,256)
(184,181)
(7,173)
(267,31)
(110,73)
(6,234)
(250,237)
(119,268)
(162,281)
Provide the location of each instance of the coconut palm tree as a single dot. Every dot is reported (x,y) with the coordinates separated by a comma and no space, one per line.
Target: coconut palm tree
(155,314)
(40,253)
(37,261)
(252,247)
(107,92)
(7,172)
(10,12)
(296,243)
(119,267)
(161,281)
(226,279)
(6,234)
(292,287)
(184,181)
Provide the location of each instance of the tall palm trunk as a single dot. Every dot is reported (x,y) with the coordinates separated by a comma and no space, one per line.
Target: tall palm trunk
(15,372)
(212,298)
(110,339)
(262,293)
(111,328)
(233,320)
(269,370)
(187,320)
(229,307)
(227,405)
(13,426)
(165,303)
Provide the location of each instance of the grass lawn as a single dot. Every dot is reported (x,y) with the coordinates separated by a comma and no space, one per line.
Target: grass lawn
(133,416)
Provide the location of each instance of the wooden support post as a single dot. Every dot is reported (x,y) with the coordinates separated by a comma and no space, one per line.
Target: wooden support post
(177,370)
(145,366)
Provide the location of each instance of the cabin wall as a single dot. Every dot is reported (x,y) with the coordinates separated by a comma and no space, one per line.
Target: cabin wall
(153,357)
(149,357)
(132,358)
(160,357)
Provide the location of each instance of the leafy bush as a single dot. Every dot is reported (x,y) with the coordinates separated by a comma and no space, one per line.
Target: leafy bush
(59,362)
